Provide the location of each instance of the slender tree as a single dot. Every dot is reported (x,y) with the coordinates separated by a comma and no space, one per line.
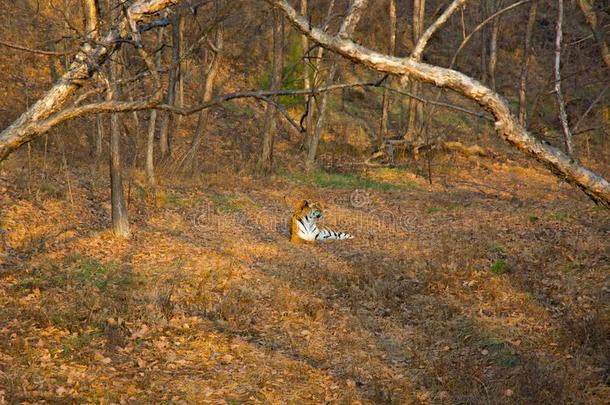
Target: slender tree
(493,47)
(120,221)
(531,21)
(563,116)
(265,162)
(385,101)
(152,123)
(307,77)
(167,124)
(416,113)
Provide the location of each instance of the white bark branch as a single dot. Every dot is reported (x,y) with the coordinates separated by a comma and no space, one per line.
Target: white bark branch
(423,40)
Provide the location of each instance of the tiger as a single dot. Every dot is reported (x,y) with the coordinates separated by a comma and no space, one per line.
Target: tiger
(304,228)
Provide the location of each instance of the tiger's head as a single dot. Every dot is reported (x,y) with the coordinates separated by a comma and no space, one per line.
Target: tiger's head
(312,210)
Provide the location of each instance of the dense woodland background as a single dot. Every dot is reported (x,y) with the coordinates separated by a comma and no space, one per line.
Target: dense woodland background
(476,274)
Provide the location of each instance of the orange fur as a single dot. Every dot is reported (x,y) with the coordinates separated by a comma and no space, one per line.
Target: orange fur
(302,209)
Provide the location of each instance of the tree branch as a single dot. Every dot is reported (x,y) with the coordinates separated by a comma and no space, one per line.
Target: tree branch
(423,40)
(481,25)
(36,51)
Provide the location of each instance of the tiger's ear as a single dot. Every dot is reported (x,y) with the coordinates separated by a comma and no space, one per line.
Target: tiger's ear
(303,204)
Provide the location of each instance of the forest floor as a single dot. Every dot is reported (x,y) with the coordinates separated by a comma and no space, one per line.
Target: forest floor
(489,286)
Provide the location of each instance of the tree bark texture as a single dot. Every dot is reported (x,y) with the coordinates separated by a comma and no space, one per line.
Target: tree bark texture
(120,221)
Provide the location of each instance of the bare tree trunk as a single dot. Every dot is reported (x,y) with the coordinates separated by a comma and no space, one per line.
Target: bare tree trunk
(563,116)
(191,158)
(385,101)
(493,52)
(150,149)
(181,68)
(591,16)
(99,138)
(507,125)
(152,124)
(484,35)
(167,125)
(346,30)
(415,123)
(120,222)
(265,162)
(524,64)
(307,79)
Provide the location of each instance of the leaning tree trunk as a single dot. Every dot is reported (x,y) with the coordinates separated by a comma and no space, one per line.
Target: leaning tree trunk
(531,20)
(346,31)
(507,125)
(385,101)
(265,161)
(563,116)
(167,125)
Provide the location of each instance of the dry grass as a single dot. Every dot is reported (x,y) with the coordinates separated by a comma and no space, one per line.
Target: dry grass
(490,290)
